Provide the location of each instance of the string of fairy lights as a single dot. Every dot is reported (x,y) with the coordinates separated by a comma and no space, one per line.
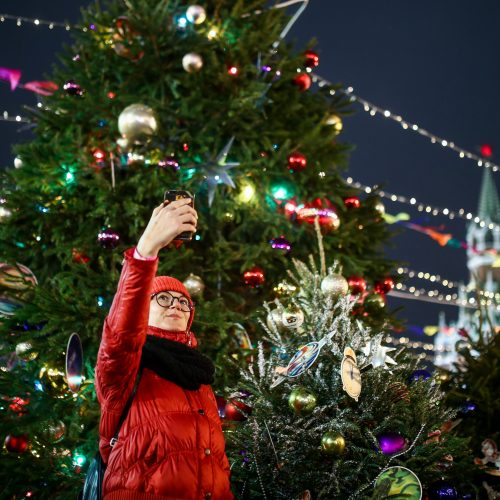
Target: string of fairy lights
(422,207)
(437,279)
(374,110)
(31,21)
(404,291)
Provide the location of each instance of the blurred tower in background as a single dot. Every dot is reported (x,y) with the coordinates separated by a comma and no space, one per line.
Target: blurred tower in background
(483,240)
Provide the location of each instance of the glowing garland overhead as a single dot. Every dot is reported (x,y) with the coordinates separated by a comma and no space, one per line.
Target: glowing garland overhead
(434,278)
(422,207)
(374,110)
(404,292)
(20,21)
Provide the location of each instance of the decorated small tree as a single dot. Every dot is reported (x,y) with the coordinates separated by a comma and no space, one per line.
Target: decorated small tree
(326,410)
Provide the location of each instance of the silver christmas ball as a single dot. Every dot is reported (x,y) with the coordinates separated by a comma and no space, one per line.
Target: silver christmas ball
(123,143)
(275,319)
(196,14)
(18,163)
(194,284)
(292,317)
(192,62)
(137,123)
(334,285)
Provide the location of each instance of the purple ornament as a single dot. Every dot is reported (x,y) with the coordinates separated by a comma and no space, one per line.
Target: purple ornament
(108,239)
(281,243)
(72,88)
(420,375)
(391,442)
(441,490)
(169,163)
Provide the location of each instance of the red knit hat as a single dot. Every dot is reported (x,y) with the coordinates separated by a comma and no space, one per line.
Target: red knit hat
(166,283)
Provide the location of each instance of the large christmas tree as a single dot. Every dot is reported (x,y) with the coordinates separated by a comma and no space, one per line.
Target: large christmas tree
(155,96)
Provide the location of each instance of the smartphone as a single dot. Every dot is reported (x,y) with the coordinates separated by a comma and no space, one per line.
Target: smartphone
(171,195)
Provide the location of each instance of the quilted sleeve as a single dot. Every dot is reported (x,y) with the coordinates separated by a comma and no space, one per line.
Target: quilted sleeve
(124,332)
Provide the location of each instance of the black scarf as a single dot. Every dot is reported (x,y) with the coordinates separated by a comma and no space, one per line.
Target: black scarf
(177,362)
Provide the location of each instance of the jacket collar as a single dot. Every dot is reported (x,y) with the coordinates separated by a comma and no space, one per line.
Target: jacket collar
(187,338)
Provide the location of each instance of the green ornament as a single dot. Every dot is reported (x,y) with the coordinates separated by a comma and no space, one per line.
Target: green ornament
(302,401)
(333,443)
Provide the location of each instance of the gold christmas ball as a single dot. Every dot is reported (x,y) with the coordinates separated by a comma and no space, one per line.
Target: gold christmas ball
(336,122)
(334,285)
(196,14)
(275,319)
(53,431)
(302,401)
(194,284)
(137,123)
(292,317)
(192,62)
(228,217)
(284,289)
(333,443)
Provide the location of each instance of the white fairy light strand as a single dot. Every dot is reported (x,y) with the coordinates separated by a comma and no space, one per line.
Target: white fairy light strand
(405,292)
(6,117)
(422,207)
(27,21)
(374,110)
(433,278)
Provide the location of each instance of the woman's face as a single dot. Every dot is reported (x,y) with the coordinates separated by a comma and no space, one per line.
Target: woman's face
(169,310)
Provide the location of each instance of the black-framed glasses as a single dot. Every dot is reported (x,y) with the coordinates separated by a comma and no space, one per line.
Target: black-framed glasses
(166,299)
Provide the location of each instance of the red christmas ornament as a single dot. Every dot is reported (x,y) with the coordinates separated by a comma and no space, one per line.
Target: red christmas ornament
(185,147)
(323,209)
(254,277)
(352,202)
(384,286)
(79,257)
(111,95)
(486,151)
(311,59)
(16,444)
(18,404)
(236,410)
(357,285)
(296,161)
(303,81)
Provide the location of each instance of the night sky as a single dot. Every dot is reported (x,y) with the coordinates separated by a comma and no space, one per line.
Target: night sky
(434,63)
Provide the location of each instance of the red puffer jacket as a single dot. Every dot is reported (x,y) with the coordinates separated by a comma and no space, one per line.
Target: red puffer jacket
(171,445)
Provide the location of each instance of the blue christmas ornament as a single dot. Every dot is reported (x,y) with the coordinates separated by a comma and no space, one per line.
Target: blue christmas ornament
(420,375)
